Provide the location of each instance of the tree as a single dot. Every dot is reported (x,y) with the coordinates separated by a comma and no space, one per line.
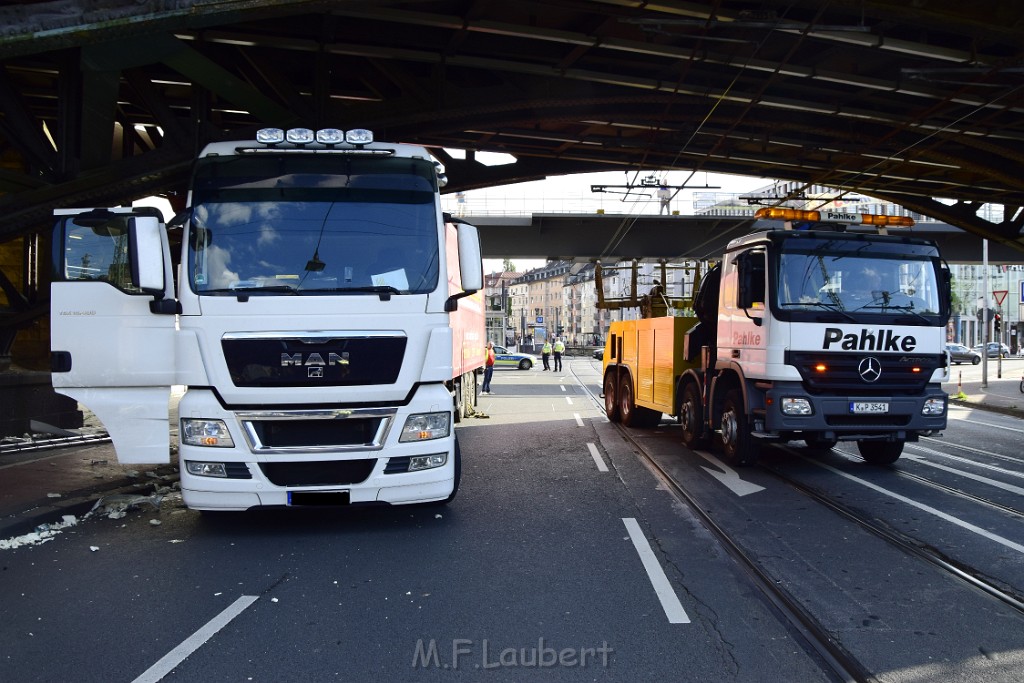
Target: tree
(508,266)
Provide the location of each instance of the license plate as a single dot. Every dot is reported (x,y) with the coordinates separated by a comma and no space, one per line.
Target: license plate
(318,498)
(861,407)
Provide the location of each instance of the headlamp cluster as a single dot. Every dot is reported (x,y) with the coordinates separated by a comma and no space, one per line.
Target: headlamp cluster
(305,136)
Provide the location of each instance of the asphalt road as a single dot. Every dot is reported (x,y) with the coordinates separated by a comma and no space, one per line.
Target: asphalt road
(564,557)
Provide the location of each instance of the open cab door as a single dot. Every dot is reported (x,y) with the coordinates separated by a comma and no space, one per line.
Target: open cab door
(112,324)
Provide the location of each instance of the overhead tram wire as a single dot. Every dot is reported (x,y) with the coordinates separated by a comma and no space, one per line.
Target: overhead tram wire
(627,224)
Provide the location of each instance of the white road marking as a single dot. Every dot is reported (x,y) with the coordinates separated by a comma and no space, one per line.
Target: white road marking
(728,476)
(961,473)
(195,641)
(597,457)
(568,399)
(662,588)
(579,420)
(974,463)
(926,508)
(970,418)
(562,387)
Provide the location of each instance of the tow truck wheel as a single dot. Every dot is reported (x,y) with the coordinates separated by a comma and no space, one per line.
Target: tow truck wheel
(880,452)
(820,445)
(611,392)
(691,417)
(739,448)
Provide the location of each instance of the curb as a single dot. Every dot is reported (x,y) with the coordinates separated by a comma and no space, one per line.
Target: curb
(1004,410)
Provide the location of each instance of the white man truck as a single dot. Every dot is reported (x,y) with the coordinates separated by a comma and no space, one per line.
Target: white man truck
(324,325)
(797,334)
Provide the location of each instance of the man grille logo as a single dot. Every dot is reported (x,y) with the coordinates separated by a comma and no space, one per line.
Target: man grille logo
(314,359)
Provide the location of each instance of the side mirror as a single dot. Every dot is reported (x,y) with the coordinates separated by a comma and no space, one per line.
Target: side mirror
(147,254)
(471,262)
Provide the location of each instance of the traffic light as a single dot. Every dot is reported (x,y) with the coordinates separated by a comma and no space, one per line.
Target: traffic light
(998,321)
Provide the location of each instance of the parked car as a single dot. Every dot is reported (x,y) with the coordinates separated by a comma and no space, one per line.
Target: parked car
(503,358)
(958,353)
(994,349)
(599,354)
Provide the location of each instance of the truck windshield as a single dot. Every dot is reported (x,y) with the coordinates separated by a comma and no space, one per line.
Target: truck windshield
(858,279)
(313,224)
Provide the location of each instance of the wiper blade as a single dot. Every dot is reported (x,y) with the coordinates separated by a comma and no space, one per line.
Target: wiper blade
(251,288)
(373,289)
(893,307)
(834,307)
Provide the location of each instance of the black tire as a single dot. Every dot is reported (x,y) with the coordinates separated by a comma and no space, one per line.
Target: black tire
(627,406)
(739,447)
(525,364)
(819,445)
(975,360)
(880,452)
(458,477)
(457,402)
(611,393)
(691,417)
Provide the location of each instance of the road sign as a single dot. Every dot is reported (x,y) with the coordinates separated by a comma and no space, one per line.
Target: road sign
(1000,295)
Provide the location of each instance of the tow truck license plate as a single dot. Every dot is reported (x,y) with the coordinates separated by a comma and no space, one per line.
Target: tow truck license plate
(859,407)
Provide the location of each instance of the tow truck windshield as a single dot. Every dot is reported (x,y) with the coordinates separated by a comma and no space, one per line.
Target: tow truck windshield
(843,278)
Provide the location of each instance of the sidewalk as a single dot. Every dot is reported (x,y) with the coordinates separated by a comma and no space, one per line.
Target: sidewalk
(1001,395)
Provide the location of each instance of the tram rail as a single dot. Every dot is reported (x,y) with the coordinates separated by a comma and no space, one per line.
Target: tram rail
(837,660)
(29,445)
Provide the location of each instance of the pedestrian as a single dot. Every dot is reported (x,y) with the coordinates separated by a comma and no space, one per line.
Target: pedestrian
(488,369)
(545,354)
(664,196)
(559,347)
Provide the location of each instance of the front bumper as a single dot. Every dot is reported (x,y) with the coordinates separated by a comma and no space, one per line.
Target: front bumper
(833,416)
(308,456)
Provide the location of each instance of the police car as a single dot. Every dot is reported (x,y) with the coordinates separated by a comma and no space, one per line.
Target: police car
(503,358)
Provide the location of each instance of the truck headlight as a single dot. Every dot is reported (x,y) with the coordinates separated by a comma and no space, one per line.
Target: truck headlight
(426,426)
(199,432)
(795,406)
(934,406)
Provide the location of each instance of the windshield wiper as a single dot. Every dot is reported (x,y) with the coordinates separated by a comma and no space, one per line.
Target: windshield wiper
(834,307)
(384,291)
(251,288)
(893,307)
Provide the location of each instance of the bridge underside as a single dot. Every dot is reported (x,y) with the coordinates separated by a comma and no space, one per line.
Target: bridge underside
(611,237)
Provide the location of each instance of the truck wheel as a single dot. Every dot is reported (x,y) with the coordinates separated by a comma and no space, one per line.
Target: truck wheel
(819,445)
(739,448)
(691,417)
(611,404)
(880,452)
(457,402)
(458,477)
(627,408)
(525,364)
(631,414)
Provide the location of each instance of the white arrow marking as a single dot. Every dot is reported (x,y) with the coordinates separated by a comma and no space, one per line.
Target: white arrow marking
(728,477)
